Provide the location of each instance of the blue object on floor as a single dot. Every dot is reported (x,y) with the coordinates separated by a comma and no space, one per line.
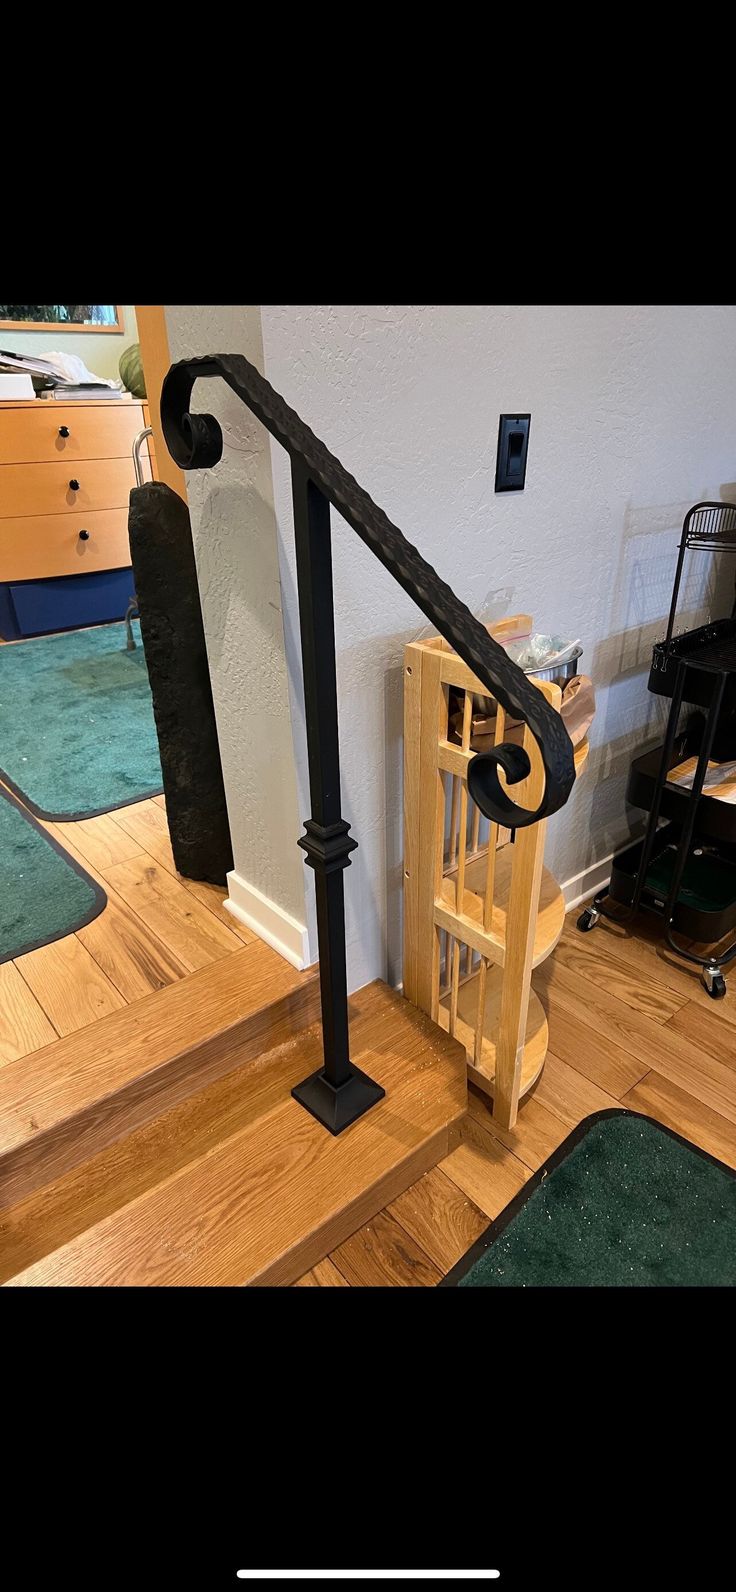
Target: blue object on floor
(9,627)
(64,602)
(77,732)
(45,893)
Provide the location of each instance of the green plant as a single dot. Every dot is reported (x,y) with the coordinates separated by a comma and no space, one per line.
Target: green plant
(131,371)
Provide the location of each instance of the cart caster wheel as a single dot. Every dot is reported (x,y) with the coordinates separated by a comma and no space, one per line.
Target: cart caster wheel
(588,919)
(715,983)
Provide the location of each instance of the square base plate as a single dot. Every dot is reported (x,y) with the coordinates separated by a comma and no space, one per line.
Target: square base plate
(337,1108)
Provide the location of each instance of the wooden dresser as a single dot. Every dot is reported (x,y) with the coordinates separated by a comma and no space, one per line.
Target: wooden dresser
(66,471)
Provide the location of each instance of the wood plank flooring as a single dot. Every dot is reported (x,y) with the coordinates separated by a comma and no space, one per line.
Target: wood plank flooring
(24,1025)
(261,1202)
(156,929)
(629,1025)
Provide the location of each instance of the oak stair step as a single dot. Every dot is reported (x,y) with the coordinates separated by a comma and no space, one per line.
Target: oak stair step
(238,1184)
(66,1102)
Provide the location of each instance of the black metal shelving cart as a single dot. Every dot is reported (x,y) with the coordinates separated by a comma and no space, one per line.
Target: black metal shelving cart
(684,867)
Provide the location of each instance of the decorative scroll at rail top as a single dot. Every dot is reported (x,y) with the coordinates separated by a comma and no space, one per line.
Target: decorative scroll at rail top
(195,442)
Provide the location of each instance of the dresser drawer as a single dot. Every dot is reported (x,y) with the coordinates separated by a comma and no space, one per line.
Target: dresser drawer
(46,488)
(37,546)
(30,435)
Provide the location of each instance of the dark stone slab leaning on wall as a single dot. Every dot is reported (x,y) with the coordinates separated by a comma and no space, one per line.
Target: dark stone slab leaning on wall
(173,635)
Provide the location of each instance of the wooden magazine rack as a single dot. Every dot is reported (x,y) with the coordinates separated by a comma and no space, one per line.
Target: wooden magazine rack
(479,912)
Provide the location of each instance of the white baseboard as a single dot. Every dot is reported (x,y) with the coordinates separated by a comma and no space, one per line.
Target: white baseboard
(290,939)
(587,883)
(269,921)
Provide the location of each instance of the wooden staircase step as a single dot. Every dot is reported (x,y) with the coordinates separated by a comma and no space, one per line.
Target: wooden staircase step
(270,1199)
(142,1159)
(64,1103)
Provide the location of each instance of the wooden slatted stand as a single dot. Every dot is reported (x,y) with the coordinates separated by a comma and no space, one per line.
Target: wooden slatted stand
(479,912)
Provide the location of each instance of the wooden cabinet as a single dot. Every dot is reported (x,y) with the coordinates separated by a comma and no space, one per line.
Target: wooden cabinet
(151,443)
(156,356)
(66,471)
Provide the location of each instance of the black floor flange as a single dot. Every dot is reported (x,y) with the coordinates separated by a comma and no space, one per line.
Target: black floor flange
(337,1107)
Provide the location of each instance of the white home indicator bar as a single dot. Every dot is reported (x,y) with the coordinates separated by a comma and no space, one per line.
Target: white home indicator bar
(368,1575)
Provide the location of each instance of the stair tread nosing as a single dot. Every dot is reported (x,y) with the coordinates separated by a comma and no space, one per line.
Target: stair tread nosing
(265,1203)
(61,1104)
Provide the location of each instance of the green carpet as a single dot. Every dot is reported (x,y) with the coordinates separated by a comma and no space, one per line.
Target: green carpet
(45,893)
(623,1203)
(77,734)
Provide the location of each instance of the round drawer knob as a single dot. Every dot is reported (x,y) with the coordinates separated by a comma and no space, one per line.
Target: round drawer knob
(74,484)
(63,431)
(84,536)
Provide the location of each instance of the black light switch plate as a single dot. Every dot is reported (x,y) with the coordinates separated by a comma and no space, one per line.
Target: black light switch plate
(513,443)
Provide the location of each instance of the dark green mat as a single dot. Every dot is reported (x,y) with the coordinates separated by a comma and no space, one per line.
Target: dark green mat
(77,734)
(622,1203)
(44,894)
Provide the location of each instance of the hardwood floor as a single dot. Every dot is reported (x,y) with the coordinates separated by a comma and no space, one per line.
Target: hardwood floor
(156,929)
(166,1183)
(629,1025)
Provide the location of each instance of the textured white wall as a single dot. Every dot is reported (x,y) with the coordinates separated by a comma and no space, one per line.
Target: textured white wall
(632,421)
(234,533)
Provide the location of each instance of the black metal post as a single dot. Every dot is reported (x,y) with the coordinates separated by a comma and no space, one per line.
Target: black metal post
(338,1093)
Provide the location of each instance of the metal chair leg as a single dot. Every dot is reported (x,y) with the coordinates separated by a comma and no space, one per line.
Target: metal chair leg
(130,612)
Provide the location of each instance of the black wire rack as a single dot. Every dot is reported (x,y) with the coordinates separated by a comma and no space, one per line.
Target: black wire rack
(697,668)
(710,527)
(706,526)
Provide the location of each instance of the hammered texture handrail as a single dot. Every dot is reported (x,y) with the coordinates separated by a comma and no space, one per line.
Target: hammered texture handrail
(195,442)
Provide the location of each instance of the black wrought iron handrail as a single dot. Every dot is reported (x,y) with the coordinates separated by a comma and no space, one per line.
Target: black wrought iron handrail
(339,1093)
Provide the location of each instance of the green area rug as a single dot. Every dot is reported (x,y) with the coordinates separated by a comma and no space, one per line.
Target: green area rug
(77,733)
(45,894)
(623,1203)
